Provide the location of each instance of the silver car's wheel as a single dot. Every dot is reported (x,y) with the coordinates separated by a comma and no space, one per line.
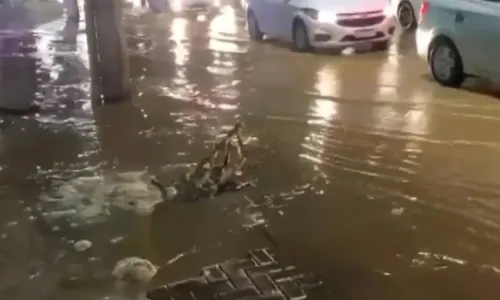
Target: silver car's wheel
(300,38)
(446,63)
(406,16)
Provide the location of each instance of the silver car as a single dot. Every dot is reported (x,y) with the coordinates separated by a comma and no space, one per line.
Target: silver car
(310,24)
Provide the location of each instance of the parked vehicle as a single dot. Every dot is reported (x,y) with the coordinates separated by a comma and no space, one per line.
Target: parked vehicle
(322,23)
(458,38)
(156,6)
(181,6)
(406,13)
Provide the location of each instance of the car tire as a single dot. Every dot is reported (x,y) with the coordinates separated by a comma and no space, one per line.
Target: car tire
(406,16)
(301,41)
(253,27)
(445,63)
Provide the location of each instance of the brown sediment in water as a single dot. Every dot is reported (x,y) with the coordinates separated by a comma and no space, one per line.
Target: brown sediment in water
(370,174)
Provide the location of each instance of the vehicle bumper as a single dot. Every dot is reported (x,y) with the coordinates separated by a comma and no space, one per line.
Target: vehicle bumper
(332,35)
(423,38)
(194,6)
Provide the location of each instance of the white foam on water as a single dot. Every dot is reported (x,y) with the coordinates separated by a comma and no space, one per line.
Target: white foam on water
(82,245)
(134,270)
(89,199)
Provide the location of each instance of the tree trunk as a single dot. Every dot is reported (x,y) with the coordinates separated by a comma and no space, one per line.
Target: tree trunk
(107,51)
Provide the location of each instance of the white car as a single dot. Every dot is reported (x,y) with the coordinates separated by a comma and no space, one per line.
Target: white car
(313,24)
(406,13)
(180,6)
(460,38)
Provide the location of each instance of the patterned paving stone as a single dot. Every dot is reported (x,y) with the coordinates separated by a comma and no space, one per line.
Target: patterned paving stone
(257,277)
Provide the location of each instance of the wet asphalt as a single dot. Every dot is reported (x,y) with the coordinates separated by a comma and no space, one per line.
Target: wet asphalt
(369,173)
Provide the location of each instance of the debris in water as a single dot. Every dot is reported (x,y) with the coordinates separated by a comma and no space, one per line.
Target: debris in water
(167,192)
(134,271)
(397,211)
(13,223)
(59,214)
(117,239)
(256,218)
(82,245)
(385,273)
(209,178)
(180,255)
(251,203)
(35,274)
(171,192)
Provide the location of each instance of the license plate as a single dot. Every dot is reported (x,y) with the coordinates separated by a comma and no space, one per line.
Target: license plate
(363,46)
(365,33)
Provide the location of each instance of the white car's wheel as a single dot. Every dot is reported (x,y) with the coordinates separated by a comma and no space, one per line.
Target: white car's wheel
(301,41)
(406,16)
(253,27)
(446,63)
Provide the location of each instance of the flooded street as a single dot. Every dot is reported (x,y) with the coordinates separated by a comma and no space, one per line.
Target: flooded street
(368,173)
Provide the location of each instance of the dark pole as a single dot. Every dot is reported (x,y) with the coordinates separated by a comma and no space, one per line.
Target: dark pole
(107,51)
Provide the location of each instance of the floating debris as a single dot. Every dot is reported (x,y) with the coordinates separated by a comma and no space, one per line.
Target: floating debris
(209,178)
(181,255)
(82,245)
(134,271)
(397,211)
(117,239)
(59,214)
(170,192)
(13,223)
(255,219)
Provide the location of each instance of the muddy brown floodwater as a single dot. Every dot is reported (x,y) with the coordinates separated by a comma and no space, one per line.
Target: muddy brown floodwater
(379,180)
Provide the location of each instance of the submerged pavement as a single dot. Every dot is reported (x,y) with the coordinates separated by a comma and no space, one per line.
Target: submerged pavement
(370,174)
